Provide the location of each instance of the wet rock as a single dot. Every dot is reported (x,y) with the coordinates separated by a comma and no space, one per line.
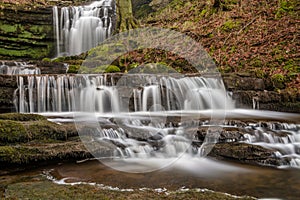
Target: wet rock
(8,84)
(7,81)
(246,153)
(223,135)
(52,67)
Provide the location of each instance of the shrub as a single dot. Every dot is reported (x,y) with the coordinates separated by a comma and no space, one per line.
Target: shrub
(278,81)
(46,60)
(73,69)
(112,69)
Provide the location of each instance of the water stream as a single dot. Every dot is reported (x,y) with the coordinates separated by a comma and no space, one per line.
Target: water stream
(151,123)
(141,117)
(18,68)
(79,28)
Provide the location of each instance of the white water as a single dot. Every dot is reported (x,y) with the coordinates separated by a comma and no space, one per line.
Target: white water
(140,111)
(94,93)
(80,28)
(284,138)
(18,68)
(190,98)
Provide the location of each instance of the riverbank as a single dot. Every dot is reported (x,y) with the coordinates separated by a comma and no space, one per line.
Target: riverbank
(38,187)
(92,179)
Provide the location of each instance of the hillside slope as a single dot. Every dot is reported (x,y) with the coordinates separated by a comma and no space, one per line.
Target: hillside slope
(260,37)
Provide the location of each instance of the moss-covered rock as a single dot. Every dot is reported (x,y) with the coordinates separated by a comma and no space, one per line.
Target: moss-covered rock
(26,33)
(16,155)
(112,69)
(22,117)
(12,132)
(21,155)
(73,69)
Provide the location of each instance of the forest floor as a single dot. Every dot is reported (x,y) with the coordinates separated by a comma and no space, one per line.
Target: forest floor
(260,37)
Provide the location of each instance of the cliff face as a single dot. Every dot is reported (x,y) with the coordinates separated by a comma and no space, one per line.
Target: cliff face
(26,33)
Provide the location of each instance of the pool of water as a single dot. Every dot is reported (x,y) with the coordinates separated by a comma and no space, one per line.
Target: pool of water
(233,178)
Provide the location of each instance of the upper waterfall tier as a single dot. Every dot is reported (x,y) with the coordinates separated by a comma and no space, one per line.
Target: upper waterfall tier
(18,68)
(103,93)
(80,28)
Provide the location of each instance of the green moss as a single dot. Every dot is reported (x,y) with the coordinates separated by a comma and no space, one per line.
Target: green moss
(44,130)
(26,52)
(286,7)
(59,59)
(73,69)
(256,62)
(133,65)
(6,28)
(11,131)
(25,40)
(22,117)
(230,25)
(260,73)
(278,81)
(46,60)
(17,155)
(7,153)
(112,69)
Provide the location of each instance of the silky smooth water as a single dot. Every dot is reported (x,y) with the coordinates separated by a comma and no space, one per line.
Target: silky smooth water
(18,68)
(98,93)
(80,28)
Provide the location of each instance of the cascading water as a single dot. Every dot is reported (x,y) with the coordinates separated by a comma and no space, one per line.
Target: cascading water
(104,95)
(138,125)
(141,114)
(282,137)
(80,28)
(18,68)
(66,93)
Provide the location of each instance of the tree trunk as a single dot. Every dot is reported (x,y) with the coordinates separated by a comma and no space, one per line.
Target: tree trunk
(125,19)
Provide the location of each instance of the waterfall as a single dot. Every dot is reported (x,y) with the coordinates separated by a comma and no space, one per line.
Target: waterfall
(18,68)
(282,137)
(56,29)
(98,93)
(80,28)
(148,116)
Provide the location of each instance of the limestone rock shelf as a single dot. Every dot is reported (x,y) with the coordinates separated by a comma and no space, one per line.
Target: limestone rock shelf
(26,33)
